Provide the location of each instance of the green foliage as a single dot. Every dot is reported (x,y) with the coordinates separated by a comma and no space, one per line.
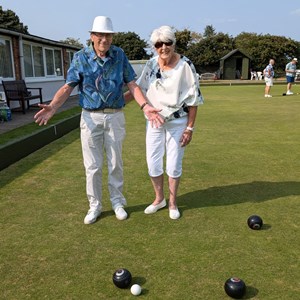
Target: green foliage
(72,41)
(132,44)
(262,48)
(207,52)
(209,31)
(183,40)
(9,20)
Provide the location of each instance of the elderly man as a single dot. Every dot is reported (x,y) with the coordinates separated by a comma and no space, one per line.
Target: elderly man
(100,71)
(290,70)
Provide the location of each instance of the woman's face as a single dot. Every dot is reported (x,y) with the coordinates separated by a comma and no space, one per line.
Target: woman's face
(165,50)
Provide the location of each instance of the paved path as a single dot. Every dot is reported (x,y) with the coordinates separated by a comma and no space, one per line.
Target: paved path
(19,119)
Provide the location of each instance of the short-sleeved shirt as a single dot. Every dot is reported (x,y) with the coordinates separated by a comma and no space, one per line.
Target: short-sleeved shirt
(269,71)
(173,90)
(100,82)
(291,67)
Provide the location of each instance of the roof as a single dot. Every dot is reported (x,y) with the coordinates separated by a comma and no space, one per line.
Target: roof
(233,52)
(36,38)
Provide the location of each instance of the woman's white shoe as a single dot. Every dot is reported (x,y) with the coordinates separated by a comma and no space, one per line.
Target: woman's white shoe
(151,209)
(174,214)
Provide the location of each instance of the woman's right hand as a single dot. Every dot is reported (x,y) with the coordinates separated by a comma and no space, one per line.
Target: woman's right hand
(153,115)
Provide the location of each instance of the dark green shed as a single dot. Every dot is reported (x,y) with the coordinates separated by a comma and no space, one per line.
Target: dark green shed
(235,65)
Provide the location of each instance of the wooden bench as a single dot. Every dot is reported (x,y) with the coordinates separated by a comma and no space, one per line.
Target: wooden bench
(208,76)
(16,90)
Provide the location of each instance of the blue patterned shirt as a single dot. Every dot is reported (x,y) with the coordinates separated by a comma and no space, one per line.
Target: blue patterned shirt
(100,81)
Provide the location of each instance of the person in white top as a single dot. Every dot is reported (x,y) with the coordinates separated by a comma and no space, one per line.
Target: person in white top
(269,77)
(170,83)
(290,70)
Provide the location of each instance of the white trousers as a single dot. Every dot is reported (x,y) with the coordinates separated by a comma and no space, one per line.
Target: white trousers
(103,133)
(165,139)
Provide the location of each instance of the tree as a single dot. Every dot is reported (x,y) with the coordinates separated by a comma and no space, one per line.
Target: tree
(185,38)
(9,20)
(72,41)
(261,48)
(206,54)
(209,31)
(132,44)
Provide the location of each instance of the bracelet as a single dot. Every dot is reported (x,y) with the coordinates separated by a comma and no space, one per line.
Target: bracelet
(143,105)
(190,129)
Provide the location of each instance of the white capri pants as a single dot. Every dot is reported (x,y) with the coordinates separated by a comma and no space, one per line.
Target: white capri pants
(103,132)
(165,139)
(269,81)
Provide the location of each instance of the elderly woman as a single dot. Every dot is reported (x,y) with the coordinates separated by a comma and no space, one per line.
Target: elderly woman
(170,83)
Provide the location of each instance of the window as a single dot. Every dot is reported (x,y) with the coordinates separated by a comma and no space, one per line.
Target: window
(40,61)
(28,65)
(6,59)
(49,62)
(70,55)
(33,61)
(53,62)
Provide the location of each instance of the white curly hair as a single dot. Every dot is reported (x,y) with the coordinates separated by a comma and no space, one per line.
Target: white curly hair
(162,34)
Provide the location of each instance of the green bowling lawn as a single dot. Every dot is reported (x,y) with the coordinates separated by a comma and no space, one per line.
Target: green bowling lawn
(243,160)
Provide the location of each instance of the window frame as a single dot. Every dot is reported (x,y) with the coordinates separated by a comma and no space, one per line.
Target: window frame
(56,65)
(44,50)
(9,40)
(70,54)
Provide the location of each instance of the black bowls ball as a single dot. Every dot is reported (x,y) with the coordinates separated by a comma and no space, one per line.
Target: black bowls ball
(255,222)
(122,278)
(235,287)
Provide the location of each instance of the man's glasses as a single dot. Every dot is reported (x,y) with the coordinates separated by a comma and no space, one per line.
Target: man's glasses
(102,35)
(160,44)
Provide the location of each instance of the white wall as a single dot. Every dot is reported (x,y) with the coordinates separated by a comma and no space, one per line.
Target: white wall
(138,66)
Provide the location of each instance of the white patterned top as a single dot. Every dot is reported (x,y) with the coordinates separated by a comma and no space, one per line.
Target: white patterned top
(173,90)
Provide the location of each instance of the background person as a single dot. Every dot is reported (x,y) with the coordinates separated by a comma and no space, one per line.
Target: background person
(290,70)
(169,81)
(269,77)
(253,75)
(100,71)
(259,75)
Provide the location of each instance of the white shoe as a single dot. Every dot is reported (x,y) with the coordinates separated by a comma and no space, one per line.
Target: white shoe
(92,216)
(289,93)
(268,96)
(151,209)
(120,212)
(174,214)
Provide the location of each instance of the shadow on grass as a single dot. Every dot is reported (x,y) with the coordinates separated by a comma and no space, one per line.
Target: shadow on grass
(256,191)
(251,292)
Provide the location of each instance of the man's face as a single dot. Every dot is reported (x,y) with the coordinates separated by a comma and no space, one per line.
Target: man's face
(101,42)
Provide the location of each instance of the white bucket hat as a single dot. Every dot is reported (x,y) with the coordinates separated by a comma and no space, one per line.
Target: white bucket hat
(295,59)
(102,24)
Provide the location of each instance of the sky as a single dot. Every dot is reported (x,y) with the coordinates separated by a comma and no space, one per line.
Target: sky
(60,19)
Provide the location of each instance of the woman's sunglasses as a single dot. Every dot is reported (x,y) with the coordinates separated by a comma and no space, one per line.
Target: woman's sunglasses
(160,44)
